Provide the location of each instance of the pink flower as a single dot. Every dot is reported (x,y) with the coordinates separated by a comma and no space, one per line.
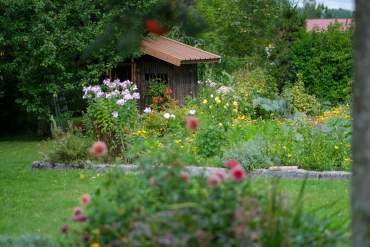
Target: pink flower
(98,149)
(232,163)
(184,177)
(221,174)
(79,218)
(85,199)
(77,211)
(192,123)
(214,180)
(238,173)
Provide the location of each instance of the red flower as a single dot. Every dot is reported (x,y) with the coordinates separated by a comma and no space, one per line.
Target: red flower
(98,149)
(232,163)
(153,26)
(214,180)
(85,199)
(192,123)
(238,173)
(184,176)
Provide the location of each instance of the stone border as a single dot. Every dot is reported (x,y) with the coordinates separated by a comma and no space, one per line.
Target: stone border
(281,171)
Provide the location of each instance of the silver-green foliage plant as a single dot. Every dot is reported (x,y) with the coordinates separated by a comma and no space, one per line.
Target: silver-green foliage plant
(252,154)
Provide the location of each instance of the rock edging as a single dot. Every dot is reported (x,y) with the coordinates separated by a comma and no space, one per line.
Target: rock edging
(281,171)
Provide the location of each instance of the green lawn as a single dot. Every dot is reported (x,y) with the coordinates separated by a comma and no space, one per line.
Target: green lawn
(38,201)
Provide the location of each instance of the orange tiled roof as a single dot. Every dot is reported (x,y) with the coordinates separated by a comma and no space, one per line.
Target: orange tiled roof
(175,52)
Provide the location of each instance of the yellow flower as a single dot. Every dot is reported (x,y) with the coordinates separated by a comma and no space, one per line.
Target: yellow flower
(95,245)
(218,100)
(177,141)
(227,104)
(235,103)
(205,101)
(210,107)
(235,110)
(220,124)
(289,155)
(336,147)
(347,159)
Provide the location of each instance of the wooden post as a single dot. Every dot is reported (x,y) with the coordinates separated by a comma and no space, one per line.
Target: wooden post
(133,72)
(361,127)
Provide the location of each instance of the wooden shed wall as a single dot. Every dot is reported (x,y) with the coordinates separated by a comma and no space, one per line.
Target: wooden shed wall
(181,79)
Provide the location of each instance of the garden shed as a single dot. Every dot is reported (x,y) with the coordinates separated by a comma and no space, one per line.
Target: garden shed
(169,61)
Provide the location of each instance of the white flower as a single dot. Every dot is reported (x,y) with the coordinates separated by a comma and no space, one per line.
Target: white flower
(121,102)
(192,112)
(147,110)
(166,115)
(115,114)
(211,95)
(224,90)
(172,116)
(136,95)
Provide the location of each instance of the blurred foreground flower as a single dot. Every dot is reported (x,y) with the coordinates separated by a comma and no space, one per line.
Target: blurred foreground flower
(98,149)
(192,123)
(85,199)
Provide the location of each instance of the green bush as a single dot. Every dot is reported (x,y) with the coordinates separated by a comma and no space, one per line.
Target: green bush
(324,59)
(69,148)
(166,207)
(249,83)
(299,100)
(209,140)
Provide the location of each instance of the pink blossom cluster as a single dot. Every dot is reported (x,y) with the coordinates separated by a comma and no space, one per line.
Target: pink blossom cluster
(237,173)
(122,91)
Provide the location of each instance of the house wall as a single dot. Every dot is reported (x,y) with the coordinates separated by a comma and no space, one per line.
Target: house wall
(181,79)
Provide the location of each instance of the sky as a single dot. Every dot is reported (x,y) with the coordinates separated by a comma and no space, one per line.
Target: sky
(336,4)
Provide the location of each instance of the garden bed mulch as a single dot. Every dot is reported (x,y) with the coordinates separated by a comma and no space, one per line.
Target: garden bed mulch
(276,171)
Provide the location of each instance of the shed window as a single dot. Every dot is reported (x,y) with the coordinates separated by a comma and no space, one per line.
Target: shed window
(156,78)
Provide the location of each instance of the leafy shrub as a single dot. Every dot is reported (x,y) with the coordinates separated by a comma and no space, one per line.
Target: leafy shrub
(27,241)
(299,100)
(159,96)
(324,59)
(249,83)
(68,148)
(166,207)
(209,140)
(252,154)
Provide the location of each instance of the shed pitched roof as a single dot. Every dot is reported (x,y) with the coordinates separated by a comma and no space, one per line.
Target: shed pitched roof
(323,24)
(175,52)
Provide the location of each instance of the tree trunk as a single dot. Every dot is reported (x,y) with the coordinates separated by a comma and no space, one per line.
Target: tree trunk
(361,127)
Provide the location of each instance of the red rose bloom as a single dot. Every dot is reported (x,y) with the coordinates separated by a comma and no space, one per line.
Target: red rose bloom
(238,173)
(192,123)
(232,163)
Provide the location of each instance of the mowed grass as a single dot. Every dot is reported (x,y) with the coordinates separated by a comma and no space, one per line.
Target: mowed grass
(34,201)
(39,201)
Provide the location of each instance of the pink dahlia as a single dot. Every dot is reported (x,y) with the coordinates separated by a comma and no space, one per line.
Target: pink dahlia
(85,199)
(232,163)
(238,173)
(214,180)
(192,123)
(98,149)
